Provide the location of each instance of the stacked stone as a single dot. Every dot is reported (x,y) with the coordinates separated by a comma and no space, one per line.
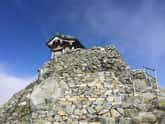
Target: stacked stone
(90,60)
(142,79)
(92,78)
(17,109)
(87,98)
(85,86)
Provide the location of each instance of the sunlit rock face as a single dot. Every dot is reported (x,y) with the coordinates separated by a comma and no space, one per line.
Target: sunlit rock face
(87,86)
(49,89)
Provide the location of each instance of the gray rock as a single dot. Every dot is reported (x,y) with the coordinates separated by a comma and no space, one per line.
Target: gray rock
(87,86)
(91,110)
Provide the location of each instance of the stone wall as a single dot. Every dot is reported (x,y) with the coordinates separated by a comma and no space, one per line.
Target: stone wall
(86,86)
(84,97)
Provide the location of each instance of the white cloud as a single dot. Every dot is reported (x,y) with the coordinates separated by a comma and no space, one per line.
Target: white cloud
(10,84)
(142,28)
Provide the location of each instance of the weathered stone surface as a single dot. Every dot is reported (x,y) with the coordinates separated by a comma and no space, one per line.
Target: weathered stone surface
(49,90)
(147,117)
(87,86)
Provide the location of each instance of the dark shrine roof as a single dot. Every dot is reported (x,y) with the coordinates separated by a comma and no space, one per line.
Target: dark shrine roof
(67,37)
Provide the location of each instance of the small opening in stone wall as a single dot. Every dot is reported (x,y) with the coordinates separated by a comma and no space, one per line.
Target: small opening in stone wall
(53,116)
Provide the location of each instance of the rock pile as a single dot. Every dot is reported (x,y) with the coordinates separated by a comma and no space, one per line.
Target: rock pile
(87,86)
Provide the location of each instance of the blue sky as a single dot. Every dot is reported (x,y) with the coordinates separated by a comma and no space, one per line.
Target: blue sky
(135,27)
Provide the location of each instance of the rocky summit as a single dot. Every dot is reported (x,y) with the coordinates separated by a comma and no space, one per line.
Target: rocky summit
(87,86)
